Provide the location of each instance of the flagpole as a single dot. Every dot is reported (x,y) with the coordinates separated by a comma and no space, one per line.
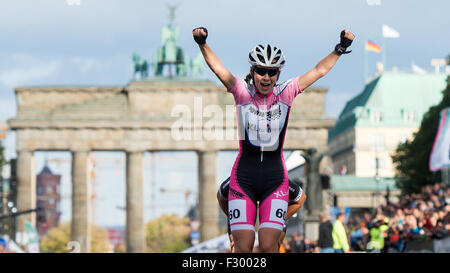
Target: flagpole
(366,64)
(384,49)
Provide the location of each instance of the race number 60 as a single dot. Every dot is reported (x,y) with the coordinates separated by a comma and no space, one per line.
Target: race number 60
(237,211)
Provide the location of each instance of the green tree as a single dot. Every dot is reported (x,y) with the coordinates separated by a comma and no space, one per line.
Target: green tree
(2,157)
(58,238)
(411,158)
(168,234)
(5,222)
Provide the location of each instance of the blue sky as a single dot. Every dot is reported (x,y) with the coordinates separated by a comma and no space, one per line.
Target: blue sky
(50,42)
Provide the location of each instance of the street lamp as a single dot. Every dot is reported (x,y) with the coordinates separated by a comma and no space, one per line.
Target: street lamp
(377,180)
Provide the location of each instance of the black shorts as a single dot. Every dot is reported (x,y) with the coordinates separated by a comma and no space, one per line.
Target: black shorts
(295,191)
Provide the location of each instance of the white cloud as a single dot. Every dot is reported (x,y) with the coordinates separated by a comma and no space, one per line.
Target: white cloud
(86,64)
(99,66)
(28,69)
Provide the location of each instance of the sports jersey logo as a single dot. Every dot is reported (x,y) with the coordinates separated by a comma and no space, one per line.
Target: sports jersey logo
(263,127)
(236,193)
(269,115)
(280,194)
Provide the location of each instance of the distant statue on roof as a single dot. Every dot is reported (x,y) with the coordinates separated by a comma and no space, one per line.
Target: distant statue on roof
(169,60)
(314,184)
(140,66)
(169,54)
(197,65)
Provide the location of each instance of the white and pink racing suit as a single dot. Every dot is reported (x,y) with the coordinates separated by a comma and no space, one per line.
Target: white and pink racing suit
(259,172)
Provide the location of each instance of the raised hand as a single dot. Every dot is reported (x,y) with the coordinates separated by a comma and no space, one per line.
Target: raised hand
(346,40)
(200,34)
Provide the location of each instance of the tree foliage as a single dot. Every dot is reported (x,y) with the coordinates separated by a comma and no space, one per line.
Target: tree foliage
(58,238)
(168,234)
(411,158)
(2,156)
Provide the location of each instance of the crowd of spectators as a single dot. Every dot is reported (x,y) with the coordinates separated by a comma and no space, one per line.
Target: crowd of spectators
(423,216)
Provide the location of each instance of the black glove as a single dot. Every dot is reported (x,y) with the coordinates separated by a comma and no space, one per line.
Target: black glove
(341,48)
(201,39)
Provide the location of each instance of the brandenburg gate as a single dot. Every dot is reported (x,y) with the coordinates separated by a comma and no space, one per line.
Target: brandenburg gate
(136,118)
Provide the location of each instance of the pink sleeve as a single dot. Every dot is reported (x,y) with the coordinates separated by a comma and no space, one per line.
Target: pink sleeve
(240,92)
(290,90)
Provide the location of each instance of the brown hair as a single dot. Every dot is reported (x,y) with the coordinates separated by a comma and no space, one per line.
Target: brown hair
(249,76)
(323,215)
(340,214)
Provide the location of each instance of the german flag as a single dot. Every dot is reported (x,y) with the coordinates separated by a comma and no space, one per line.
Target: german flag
(371,46)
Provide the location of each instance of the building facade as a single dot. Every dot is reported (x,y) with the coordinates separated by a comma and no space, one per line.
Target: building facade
(386,113)
(48,200)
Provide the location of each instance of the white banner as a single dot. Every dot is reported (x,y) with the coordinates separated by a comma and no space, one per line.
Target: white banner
(440,155)
(215,245)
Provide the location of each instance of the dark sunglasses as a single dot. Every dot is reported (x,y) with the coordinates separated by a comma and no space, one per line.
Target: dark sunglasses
(263,71)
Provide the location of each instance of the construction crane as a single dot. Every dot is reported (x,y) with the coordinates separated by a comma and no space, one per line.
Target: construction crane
(92,168)
(187,193)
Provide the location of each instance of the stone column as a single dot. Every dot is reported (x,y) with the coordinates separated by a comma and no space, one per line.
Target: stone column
(81,198)
(207,189)
(135,230)
(312,223)
(26,188)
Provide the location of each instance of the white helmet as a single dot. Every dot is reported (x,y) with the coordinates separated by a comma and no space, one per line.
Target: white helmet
(269,56)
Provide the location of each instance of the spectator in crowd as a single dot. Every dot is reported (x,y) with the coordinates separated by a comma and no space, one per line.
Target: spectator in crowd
(297,243)
(306,246)
(287,246)
(339,234)
(393,241)
(284,246)
(325,234)
(359,237)
(311,247)
(378,231)
(367,218)
(418,217)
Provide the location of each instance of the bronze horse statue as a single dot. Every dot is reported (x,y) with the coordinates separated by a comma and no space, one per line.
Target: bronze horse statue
(140,66)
